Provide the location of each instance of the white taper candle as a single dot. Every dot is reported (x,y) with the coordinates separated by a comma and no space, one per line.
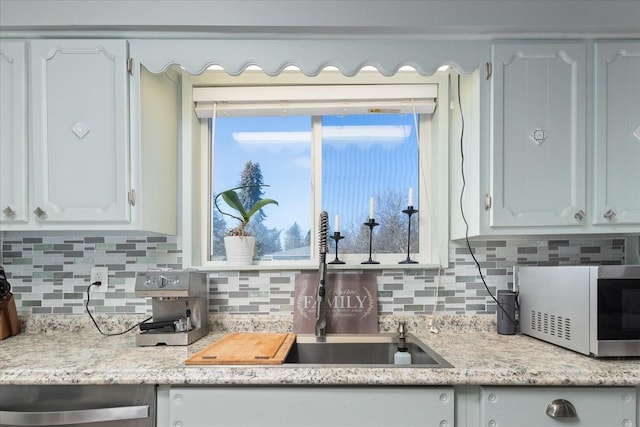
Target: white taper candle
(410,196)
(337,225)
(371,209)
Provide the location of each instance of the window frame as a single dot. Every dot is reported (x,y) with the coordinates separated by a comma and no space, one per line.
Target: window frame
(434,250)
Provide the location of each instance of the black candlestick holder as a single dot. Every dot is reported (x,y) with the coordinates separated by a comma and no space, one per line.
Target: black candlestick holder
(337,237)
(371,223)
(409,211)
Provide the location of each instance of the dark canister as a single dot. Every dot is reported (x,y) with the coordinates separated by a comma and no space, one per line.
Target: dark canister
(507,314)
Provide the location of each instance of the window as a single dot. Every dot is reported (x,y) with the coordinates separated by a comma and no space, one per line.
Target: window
(325,147)
(371,159)
(273,151)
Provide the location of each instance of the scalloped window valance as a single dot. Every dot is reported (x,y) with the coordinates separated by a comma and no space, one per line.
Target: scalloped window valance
(349,56)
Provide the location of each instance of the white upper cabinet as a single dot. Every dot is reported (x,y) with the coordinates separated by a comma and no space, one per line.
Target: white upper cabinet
(13,132)
(552,141)
(538,152)
(94,144)
(616,176)
(79,116)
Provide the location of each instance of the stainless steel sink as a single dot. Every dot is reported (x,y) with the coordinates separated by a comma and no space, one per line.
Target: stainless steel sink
(361,349)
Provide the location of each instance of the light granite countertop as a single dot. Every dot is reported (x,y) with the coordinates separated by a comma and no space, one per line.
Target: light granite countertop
(69,350)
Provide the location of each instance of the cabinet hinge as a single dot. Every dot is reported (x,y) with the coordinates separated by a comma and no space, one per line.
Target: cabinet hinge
(488,69)
(130,66)
(487,202)
(132,197)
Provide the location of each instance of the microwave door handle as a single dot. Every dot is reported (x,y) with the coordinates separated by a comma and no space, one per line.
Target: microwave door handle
(76,417)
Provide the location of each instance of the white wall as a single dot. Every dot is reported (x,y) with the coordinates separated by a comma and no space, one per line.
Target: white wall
(482,17)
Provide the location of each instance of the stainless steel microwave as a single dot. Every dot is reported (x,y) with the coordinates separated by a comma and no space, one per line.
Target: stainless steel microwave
(594,310)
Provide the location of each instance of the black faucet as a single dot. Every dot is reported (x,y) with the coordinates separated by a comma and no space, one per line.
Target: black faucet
(321,300)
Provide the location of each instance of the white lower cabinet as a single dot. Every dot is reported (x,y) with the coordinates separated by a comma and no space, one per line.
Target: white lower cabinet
(305,406)
(575,406)
(425,406)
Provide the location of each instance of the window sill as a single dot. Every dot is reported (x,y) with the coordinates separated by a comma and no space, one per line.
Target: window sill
(314,266)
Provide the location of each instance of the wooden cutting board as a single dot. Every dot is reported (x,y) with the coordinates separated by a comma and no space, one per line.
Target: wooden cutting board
(246,348)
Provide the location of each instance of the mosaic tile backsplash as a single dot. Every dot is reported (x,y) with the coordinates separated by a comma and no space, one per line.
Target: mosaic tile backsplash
(50,275)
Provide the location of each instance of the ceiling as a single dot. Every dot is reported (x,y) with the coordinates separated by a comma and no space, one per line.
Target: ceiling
(443,18)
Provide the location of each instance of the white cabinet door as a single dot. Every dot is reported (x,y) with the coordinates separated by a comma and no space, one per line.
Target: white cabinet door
(308,406)
(538,144)
(527,406)
(13,133)
(79,131)
(617,133)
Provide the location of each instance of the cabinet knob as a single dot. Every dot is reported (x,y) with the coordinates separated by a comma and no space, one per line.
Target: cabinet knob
(538,135)
(40,213)
(9,213)
(561,408)
(580,215)
(609,214)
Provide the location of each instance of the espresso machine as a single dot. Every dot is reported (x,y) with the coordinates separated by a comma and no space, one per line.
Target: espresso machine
(178,304)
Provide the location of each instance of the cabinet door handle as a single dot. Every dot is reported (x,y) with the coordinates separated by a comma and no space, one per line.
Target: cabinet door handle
(9,213)
(610,214)
(538,135)
(580,215)
(40,213)
(561,408)
(79,417)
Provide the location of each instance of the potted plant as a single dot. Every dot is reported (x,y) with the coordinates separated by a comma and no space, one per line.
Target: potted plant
(239,244)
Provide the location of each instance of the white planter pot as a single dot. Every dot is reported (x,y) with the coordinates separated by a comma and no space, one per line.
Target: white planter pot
(239,249)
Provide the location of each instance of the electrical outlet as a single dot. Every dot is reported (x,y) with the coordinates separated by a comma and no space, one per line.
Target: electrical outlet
(100,274)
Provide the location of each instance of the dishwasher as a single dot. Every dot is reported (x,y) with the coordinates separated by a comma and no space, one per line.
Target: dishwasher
(78,405)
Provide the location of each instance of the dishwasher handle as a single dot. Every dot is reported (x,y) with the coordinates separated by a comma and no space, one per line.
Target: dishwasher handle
(76,417)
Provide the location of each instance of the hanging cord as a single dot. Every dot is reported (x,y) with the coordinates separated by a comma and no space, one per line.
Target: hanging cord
(464,183)
(423,168)
(96,323)
(432,326)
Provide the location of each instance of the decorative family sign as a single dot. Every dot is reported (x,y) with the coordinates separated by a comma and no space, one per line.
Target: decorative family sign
(352,303)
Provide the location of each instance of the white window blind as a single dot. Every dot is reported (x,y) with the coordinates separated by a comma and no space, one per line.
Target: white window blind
(314,100)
